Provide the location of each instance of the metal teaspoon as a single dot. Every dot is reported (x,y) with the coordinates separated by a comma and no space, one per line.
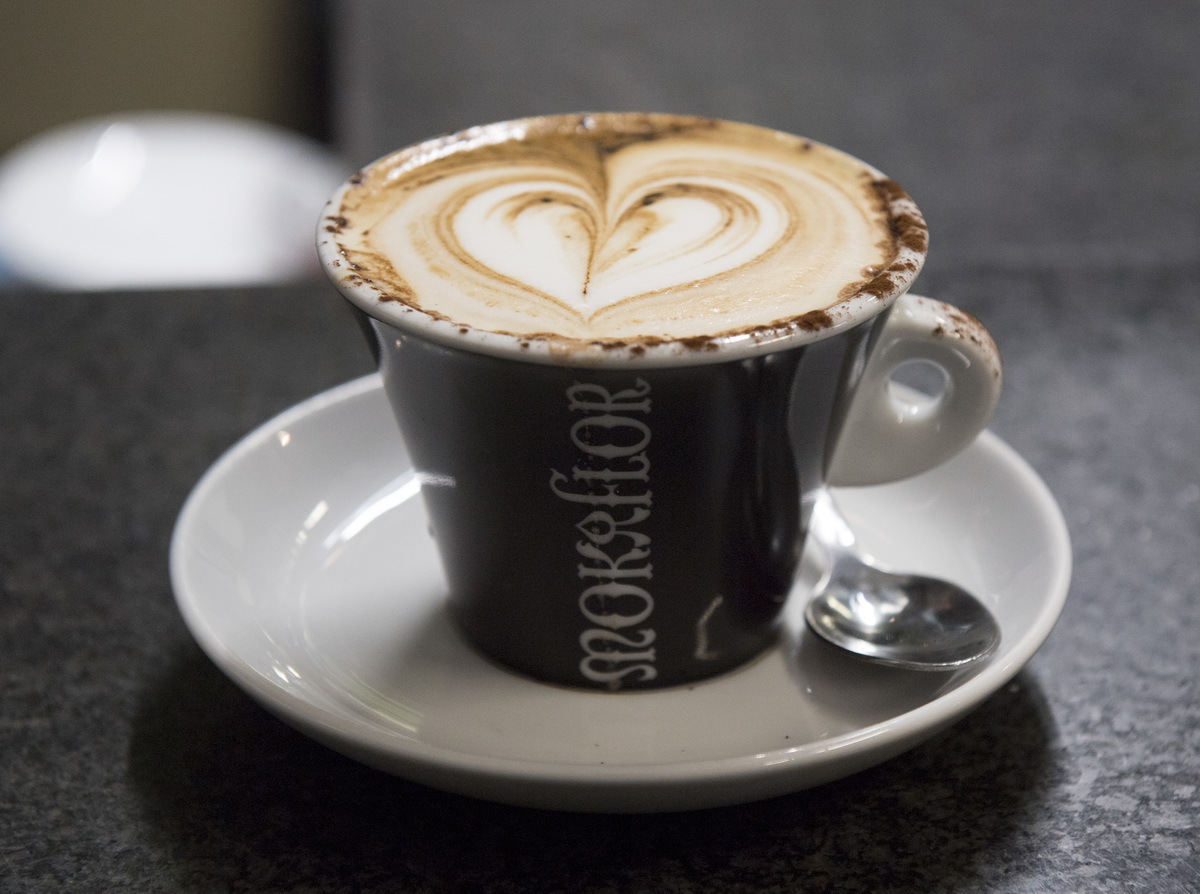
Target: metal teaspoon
(900,620)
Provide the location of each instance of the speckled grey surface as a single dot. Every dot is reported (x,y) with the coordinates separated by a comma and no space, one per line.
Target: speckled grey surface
(1056,154)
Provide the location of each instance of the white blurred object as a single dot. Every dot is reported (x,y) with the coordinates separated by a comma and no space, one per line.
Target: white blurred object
(164,200)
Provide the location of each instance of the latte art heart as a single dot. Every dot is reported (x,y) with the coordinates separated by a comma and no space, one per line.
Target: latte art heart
(619,228)
(561,242)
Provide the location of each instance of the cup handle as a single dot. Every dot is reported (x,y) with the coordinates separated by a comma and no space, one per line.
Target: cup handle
(891,431)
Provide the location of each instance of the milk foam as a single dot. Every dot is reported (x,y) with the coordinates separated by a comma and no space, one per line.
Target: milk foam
(619,228)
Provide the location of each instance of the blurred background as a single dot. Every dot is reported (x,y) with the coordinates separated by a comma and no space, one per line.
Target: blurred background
(1029,133)
(62,60)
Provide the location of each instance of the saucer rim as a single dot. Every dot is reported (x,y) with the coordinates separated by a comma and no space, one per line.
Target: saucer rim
(612,787)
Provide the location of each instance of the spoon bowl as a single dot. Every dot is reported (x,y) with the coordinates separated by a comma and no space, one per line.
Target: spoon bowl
(902,620)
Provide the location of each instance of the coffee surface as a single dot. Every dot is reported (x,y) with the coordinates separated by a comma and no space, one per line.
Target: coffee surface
(624,228)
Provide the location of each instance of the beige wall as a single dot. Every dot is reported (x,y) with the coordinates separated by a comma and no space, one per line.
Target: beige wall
(62,60)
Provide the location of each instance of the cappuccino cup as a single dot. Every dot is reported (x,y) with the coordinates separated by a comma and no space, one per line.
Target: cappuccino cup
(627,354)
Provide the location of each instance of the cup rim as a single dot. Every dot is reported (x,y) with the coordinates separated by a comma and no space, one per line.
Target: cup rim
(873,297)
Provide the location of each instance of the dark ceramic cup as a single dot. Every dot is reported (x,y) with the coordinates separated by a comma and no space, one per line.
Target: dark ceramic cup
(632,516)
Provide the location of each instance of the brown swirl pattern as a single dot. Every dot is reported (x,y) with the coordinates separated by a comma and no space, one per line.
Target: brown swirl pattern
(685,234)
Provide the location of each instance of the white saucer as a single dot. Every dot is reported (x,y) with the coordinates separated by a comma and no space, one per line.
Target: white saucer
(302,565)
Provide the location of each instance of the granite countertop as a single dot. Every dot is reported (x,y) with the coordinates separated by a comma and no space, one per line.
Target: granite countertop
(131,763)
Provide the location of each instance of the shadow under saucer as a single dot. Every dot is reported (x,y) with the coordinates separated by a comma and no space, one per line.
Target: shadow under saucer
(229,794)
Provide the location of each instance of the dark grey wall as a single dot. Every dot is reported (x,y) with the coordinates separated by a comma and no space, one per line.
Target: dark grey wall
(1029,133)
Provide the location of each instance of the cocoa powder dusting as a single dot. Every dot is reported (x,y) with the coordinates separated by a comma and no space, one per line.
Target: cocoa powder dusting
(813,321)
(907,229)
